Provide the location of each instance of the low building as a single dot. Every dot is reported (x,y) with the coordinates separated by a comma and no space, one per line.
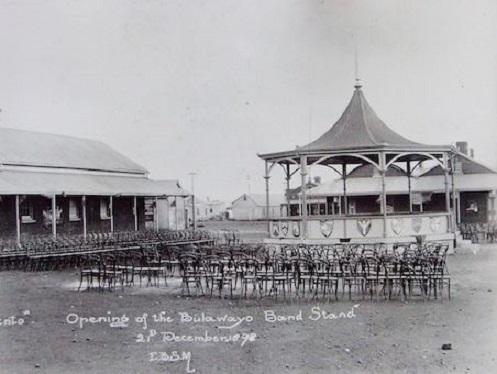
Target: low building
(172,211)
(210,209)
(253,207)
(80,185)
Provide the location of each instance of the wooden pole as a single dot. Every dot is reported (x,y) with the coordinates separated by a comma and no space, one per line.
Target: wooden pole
(111,208)
(409,185)
(266,177)
(288,190)
(383,172)
(18,221)
(135,213)
(83,208)
(54,216)
(345,209)
(344,176)
(156,211)
(194,212)
(176,210)
(454,208)
(303,172)
(447,191)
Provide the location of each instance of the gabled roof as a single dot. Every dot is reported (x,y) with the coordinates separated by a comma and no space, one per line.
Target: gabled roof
(294,192)
(171,187)
(260,199)
(29,148)
(468,166)
(368,170)
(358,127)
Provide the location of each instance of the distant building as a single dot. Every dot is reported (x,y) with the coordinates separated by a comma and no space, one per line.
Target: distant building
(210,209)
(475,192)
(172,211)
(253,207)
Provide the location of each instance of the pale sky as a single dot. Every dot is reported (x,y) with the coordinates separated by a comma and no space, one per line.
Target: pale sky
(204,85)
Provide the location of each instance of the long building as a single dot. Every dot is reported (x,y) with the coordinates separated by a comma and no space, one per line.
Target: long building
(80,185)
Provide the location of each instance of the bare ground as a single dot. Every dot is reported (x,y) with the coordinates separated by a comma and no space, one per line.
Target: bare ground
(383,336)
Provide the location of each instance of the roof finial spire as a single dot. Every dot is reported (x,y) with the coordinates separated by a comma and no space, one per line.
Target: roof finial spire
(358,82)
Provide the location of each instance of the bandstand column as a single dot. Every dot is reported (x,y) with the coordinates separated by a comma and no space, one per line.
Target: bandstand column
(266,177)
(409,185)
(176,211)
(303,173)
(287,190)
(454,208)
(156,211)
(345,209)
(383,172)
(447,190)
(344,177)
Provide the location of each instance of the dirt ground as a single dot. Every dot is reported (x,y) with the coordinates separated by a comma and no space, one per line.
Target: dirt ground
(57,335)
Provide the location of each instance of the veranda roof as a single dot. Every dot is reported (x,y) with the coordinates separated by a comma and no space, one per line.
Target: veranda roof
(398,185)
(35,183)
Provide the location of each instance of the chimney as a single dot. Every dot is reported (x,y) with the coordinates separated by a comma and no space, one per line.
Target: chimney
(317,180)
(472,153)
(462,147)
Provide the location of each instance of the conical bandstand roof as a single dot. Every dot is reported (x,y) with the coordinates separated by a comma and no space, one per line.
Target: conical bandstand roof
(359,129)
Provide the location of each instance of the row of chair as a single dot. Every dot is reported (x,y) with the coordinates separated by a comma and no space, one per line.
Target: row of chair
(477,232)
(41,252)
(294,271)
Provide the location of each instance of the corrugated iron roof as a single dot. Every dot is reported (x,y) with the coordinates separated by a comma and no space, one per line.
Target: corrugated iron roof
(30,148)
(260,199)
(399,185)
(358,127)
(369,170)
(467,165)
(35,183)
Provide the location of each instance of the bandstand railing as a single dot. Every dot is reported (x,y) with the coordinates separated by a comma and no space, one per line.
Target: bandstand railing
(361,226)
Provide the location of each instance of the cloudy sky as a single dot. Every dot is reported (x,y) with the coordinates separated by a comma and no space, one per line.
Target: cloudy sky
(204,85)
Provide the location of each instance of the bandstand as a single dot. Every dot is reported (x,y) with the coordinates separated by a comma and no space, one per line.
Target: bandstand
(358,138)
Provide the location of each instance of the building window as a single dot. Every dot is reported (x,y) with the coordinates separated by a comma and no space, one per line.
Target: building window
(105,208)
(26,211)
(74,210)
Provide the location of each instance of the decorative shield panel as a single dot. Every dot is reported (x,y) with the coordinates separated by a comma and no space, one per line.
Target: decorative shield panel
(416,223)
(296,229)
(326,228)
(397,225)
(435,224)
(284,227)
(276,229)
(364,225)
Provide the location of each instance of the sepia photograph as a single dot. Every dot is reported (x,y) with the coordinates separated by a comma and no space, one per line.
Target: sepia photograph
(221,186)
